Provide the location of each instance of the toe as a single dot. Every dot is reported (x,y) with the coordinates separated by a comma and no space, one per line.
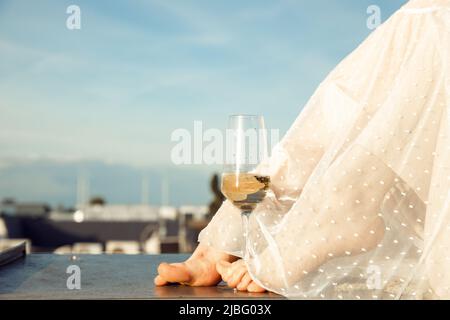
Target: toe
(175,273)
(245,281)
(159,281)
(236,277)
(223,268)
(253,287)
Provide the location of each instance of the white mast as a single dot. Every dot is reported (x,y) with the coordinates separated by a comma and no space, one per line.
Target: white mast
(145,190)
(82,188)
(165,190)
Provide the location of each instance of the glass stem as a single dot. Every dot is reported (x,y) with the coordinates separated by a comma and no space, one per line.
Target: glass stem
(246,229)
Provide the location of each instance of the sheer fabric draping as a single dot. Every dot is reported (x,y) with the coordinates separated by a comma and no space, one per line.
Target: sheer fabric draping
(360,200)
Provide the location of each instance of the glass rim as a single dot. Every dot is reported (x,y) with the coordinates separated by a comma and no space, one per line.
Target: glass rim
(245,116)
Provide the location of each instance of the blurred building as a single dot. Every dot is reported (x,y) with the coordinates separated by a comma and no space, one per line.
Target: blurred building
(98,227)
(103,228)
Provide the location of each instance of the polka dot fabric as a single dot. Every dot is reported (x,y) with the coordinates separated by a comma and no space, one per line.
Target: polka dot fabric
(359,206)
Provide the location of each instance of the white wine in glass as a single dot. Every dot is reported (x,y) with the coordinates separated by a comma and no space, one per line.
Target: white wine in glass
(242,184)
(245,190)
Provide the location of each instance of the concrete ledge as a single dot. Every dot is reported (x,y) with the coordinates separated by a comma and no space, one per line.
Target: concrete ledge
(44,276)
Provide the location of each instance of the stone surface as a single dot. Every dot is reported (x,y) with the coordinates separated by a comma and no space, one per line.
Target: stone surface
(43,276)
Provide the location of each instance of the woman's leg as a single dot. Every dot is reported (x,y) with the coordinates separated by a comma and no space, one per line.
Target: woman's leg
(338,216)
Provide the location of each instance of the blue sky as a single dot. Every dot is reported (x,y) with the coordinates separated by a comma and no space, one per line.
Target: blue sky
(137,70)
(116,89)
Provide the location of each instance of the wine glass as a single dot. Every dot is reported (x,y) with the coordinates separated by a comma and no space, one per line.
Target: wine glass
(246,149)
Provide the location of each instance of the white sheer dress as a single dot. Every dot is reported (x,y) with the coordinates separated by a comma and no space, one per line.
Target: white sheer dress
(360,201)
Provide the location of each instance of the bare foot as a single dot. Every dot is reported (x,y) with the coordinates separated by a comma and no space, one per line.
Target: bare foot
(199,270)
(236,276)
